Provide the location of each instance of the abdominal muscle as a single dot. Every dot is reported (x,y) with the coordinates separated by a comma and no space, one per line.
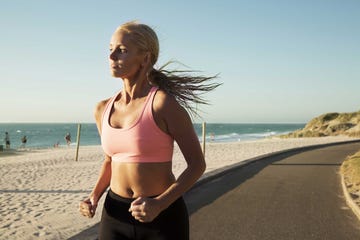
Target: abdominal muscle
(132,180)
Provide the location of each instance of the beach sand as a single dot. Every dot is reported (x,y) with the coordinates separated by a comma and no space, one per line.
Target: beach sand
(40,189)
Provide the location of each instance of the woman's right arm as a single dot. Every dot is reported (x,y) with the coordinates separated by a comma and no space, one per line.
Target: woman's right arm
(88,206)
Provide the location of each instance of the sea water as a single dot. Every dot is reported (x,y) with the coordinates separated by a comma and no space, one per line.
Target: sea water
(234,132)
(47,135)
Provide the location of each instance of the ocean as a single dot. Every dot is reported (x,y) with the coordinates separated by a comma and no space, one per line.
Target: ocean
(46,135)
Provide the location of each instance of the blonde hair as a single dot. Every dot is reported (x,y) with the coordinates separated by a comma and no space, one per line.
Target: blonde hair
(145,38)
(183,85)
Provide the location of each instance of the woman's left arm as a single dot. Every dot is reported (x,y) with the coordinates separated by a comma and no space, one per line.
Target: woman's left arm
(180,127)
(176,121)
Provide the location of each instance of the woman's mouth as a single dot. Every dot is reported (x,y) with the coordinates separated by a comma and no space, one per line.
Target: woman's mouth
(114,66)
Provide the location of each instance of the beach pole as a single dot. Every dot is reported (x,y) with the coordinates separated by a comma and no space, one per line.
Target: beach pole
(77,142)
(203,137)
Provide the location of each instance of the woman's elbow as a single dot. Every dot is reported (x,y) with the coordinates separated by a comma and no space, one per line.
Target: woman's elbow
(202,167)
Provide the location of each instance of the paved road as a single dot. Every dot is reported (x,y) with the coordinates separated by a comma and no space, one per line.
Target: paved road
(287,197)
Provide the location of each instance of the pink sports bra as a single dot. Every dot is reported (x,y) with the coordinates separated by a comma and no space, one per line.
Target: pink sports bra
(143,142)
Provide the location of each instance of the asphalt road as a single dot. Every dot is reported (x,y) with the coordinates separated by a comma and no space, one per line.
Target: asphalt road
(291,196)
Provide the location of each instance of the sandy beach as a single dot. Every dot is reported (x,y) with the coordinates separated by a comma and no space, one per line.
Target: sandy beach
(40,189)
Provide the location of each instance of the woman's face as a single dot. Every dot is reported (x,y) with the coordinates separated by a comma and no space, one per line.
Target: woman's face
(125,58)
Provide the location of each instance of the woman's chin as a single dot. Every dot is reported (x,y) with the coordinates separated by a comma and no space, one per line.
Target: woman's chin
(115,74)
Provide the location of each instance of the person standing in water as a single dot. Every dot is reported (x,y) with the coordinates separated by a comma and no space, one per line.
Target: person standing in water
(138,127)
(7,140)
(68,139)
(23,141)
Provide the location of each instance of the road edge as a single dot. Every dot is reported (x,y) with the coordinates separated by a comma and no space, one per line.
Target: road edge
(349,201)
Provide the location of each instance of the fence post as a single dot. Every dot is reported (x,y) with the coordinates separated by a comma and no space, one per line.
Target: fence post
(78,142)
(203,137)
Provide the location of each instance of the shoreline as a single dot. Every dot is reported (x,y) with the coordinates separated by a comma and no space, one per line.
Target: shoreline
(41,189)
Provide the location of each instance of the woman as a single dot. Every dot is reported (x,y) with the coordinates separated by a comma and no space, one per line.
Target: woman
(138,127)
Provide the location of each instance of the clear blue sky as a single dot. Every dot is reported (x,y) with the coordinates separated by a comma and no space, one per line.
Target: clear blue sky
(280,61)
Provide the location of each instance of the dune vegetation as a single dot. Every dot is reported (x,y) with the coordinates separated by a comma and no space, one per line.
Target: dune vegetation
(330,124)
(350,169)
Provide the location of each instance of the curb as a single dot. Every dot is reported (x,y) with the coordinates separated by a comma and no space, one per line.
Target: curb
(353,206)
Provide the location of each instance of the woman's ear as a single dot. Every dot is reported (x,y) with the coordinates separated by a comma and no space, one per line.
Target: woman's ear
(146,60)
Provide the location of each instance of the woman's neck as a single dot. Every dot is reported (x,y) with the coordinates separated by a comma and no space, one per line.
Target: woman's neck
(134,89)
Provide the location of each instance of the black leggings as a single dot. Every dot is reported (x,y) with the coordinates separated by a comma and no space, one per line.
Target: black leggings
(118,223)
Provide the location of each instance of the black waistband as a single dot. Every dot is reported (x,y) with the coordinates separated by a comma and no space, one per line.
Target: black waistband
(119,198)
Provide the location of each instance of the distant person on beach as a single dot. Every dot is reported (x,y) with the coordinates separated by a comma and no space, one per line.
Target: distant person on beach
(138,127)
(212,137)
(7,140)
(23,141)
(68,139)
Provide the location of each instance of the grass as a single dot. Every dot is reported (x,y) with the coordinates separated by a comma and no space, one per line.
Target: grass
(351,172)
(330,124)
(328,117)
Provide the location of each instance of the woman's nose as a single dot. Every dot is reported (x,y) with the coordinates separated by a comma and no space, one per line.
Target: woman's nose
(113,55)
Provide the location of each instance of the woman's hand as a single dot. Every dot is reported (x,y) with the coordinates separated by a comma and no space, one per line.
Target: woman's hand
(87,207)
(145,209)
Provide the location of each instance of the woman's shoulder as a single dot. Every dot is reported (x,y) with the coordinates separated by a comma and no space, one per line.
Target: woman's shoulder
(164,100)
(167,107)
(99,108)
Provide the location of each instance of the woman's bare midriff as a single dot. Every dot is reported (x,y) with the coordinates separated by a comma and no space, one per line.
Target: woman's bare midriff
(132,180)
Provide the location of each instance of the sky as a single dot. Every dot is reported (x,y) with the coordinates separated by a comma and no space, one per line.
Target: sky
(280,61)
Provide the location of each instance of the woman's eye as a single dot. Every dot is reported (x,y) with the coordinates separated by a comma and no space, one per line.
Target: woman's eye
(119,50)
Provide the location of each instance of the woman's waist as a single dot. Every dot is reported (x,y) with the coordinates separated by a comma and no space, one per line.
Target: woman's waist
(120,198)
(141,169)
(131,181)
(131,157)
(131,190)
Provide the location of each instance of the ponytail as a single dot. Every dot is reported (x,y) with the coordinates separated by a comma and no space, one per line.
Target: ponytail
(186,88)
